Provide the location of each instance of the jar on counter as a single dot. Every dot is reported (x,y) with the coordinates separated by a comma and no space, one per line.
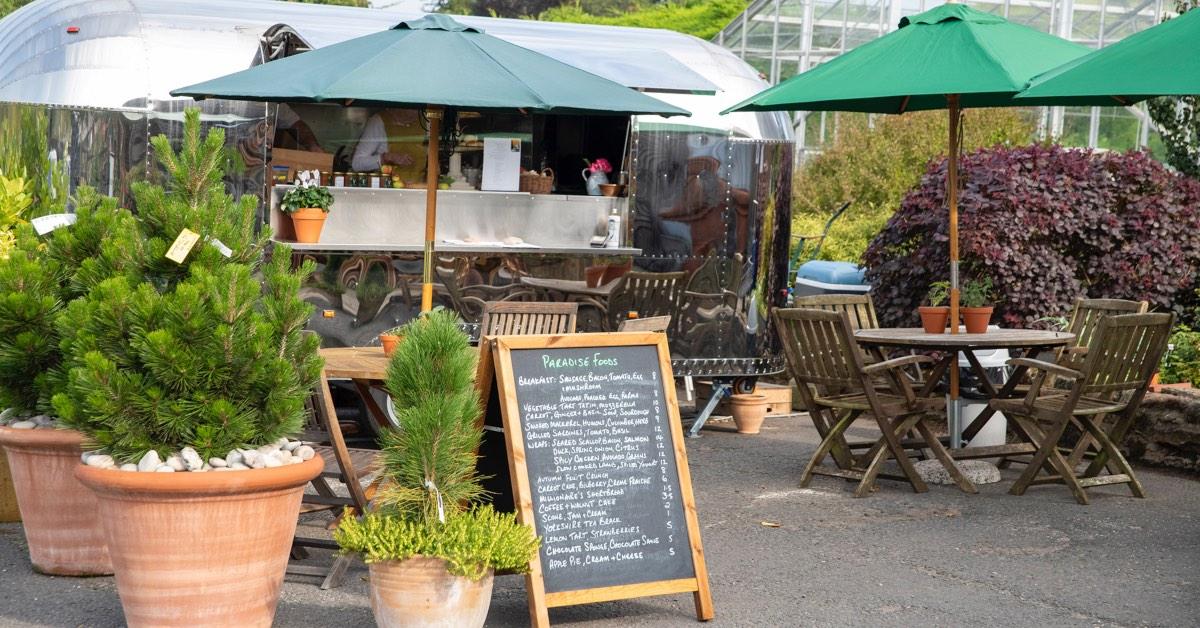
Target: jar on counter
(375,180)
(339,179)
(326,178)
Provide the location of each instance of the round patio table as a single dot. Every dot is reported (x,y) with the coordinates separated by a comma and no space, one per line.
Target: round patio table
(1023,341)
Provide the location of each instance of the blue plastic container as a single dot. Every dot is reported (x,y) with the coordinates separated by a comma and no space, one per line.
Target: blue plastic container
(824,277)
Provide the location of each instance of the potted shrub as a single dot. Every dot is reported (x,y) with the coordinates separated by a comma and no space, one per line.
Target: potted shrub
(935,316)
(39,275)
(181,370)
(431,546)
(976,311)
(308,204)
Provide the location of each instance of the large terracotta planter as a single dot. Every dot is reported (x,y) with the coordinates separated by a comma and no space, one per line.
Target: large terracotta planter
(308,223)
(60,515)
(934,319)
(420,593)
(749,412)
(200,549)
(9,512)
(976,319)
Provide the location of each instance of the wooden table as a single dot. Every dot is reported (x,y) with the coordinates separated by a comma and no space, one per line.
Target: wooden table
(1018,340)
(366,367)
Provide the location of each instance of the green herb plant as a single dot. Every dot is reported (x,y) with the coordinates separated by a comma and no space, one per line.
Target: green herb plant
(977,292)
(939,292)
(308,193)
(209,353)
(431,503)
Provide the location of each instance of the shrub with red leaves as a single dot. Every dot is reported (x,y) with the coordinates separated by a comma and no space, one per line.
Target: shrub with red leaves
(1047,224)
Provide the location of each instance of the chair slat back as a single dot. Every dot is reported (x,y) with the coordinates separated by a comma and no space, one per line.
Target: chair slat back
(820,348)
(858,308)
(1086,317)
(525,318)
(654,323)
(648,294)
(1125,353)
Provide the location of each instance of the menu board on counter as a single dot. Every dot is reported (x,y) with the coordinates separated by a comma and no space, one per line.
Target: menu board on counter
(597,465)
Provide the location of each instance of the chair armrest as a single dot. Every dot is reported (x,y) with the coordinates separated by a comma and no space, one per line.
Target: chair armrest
(888,365)
(1077,350)
(1047,367)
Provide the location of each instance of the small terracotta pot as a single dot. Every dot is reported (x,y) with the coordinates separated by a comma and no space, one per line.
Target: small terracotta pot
(420,593)
(200,549)
(593,275)
(389,342)
(9,512)
(60,515)
(308,223)
(976,319)
(749,412)
(934,319)
(615,271)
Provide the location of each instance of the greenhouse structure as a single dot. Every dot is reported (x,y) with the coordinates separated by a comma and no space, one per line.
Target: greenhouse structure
(784,37)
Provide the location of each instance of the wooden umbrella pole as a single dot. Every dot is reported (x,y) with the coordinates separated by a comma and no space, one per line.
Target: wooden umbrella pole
(434,115)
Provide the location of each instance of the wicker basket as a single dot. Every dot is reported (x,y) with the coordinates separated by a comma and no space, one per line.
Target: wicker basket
(537,183)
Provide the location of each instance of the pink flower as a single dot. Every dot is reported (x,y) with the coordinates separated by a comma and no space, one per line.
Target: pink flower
(600,165)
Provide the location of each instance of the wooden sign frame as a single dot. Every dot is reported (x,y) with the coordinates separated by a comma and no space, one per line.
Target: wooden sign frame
(495,360)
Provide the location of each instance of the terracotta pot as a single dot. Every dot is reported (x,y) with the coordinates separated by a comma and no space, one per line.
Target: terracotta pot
(749,412)
(9,512)
(420,593)
(200,549)
(60,515)
(389,342)
(308,223)
(976,319)
(593,275)
(934,319)
(615,271)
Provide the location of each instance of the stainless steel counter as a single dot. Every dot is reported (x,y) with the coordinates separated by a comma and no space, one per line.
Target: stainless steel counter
(366,219)
(323,247)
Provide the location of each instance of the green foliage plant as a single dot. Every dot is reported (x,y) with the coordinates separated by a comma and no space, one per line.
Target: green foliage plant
(700,18)
(40,276)
(939,292)
(430,504)
(874,161)
(977,292)
(471,542)
(308,193)
(209,353)
(1181,363)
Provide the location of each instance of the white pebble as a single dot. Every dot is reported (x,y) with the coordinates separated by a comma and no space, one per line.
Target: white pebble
(175,462)
(149,462)
(237,466)
(222,469)
(305,452)
(206,467)
(281,443)
(7,415)
(217,462)
(129,466)
(43,420)
(271,462)
(295,460)
(87,454)
(267,450)
(191,459)
(165,469)
(233,457)
(261,462)
(100,461)
(292,445)
(249,457)
(23,425)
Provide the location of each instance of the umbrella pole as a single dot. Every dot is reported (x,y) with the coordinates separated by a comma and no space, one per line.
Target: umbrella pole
(434,115)
(952,201)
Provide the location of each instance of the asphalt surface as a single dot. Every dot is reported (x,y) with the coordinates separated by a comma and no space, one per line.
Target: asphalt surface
(895,558)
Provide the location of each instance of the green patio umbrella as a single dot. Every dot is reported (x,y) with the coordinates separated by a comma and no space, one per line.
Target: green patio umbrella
(949,57)
(433,62)
(1159,61)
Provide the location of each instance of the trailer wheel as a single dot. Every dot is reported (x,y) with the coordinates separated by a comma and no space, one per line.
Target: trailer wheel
(744,385)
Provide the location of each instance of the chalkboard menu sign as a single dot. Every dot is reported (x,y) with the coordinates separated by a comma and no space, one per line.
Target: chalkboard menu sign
(597,464)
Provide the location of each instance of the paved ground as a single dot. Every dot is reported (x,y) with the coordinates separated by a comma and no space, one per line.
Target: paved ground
(894,559)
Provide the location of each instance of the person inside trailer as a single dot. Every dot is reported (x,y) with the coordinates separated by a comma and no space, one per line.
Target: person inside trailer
(396,138)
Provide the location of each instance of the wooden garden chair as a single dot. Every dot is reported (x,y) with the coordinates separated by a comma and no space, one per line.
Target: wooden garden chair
(1111,382)
(838,387)
(655,323)
(353,467)
(648,294)
(523,318)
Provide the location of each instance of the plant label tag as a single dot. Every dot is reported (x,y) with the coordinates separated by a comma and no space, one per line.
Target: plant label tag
(220,246)
(46,224)
(182,246)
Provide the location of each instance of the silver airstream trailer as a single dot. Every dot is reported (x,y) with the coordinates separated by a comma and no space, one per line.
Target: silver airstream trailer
(704,223)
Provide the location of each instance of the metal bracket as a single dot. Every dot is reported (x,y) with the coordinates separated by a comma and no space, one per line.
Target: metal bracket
(721,388)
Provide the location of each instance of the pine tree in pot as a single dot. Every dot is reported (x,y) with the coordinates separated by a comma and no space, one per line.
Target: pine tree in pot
(38,276)
(190,368)
(431,546)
